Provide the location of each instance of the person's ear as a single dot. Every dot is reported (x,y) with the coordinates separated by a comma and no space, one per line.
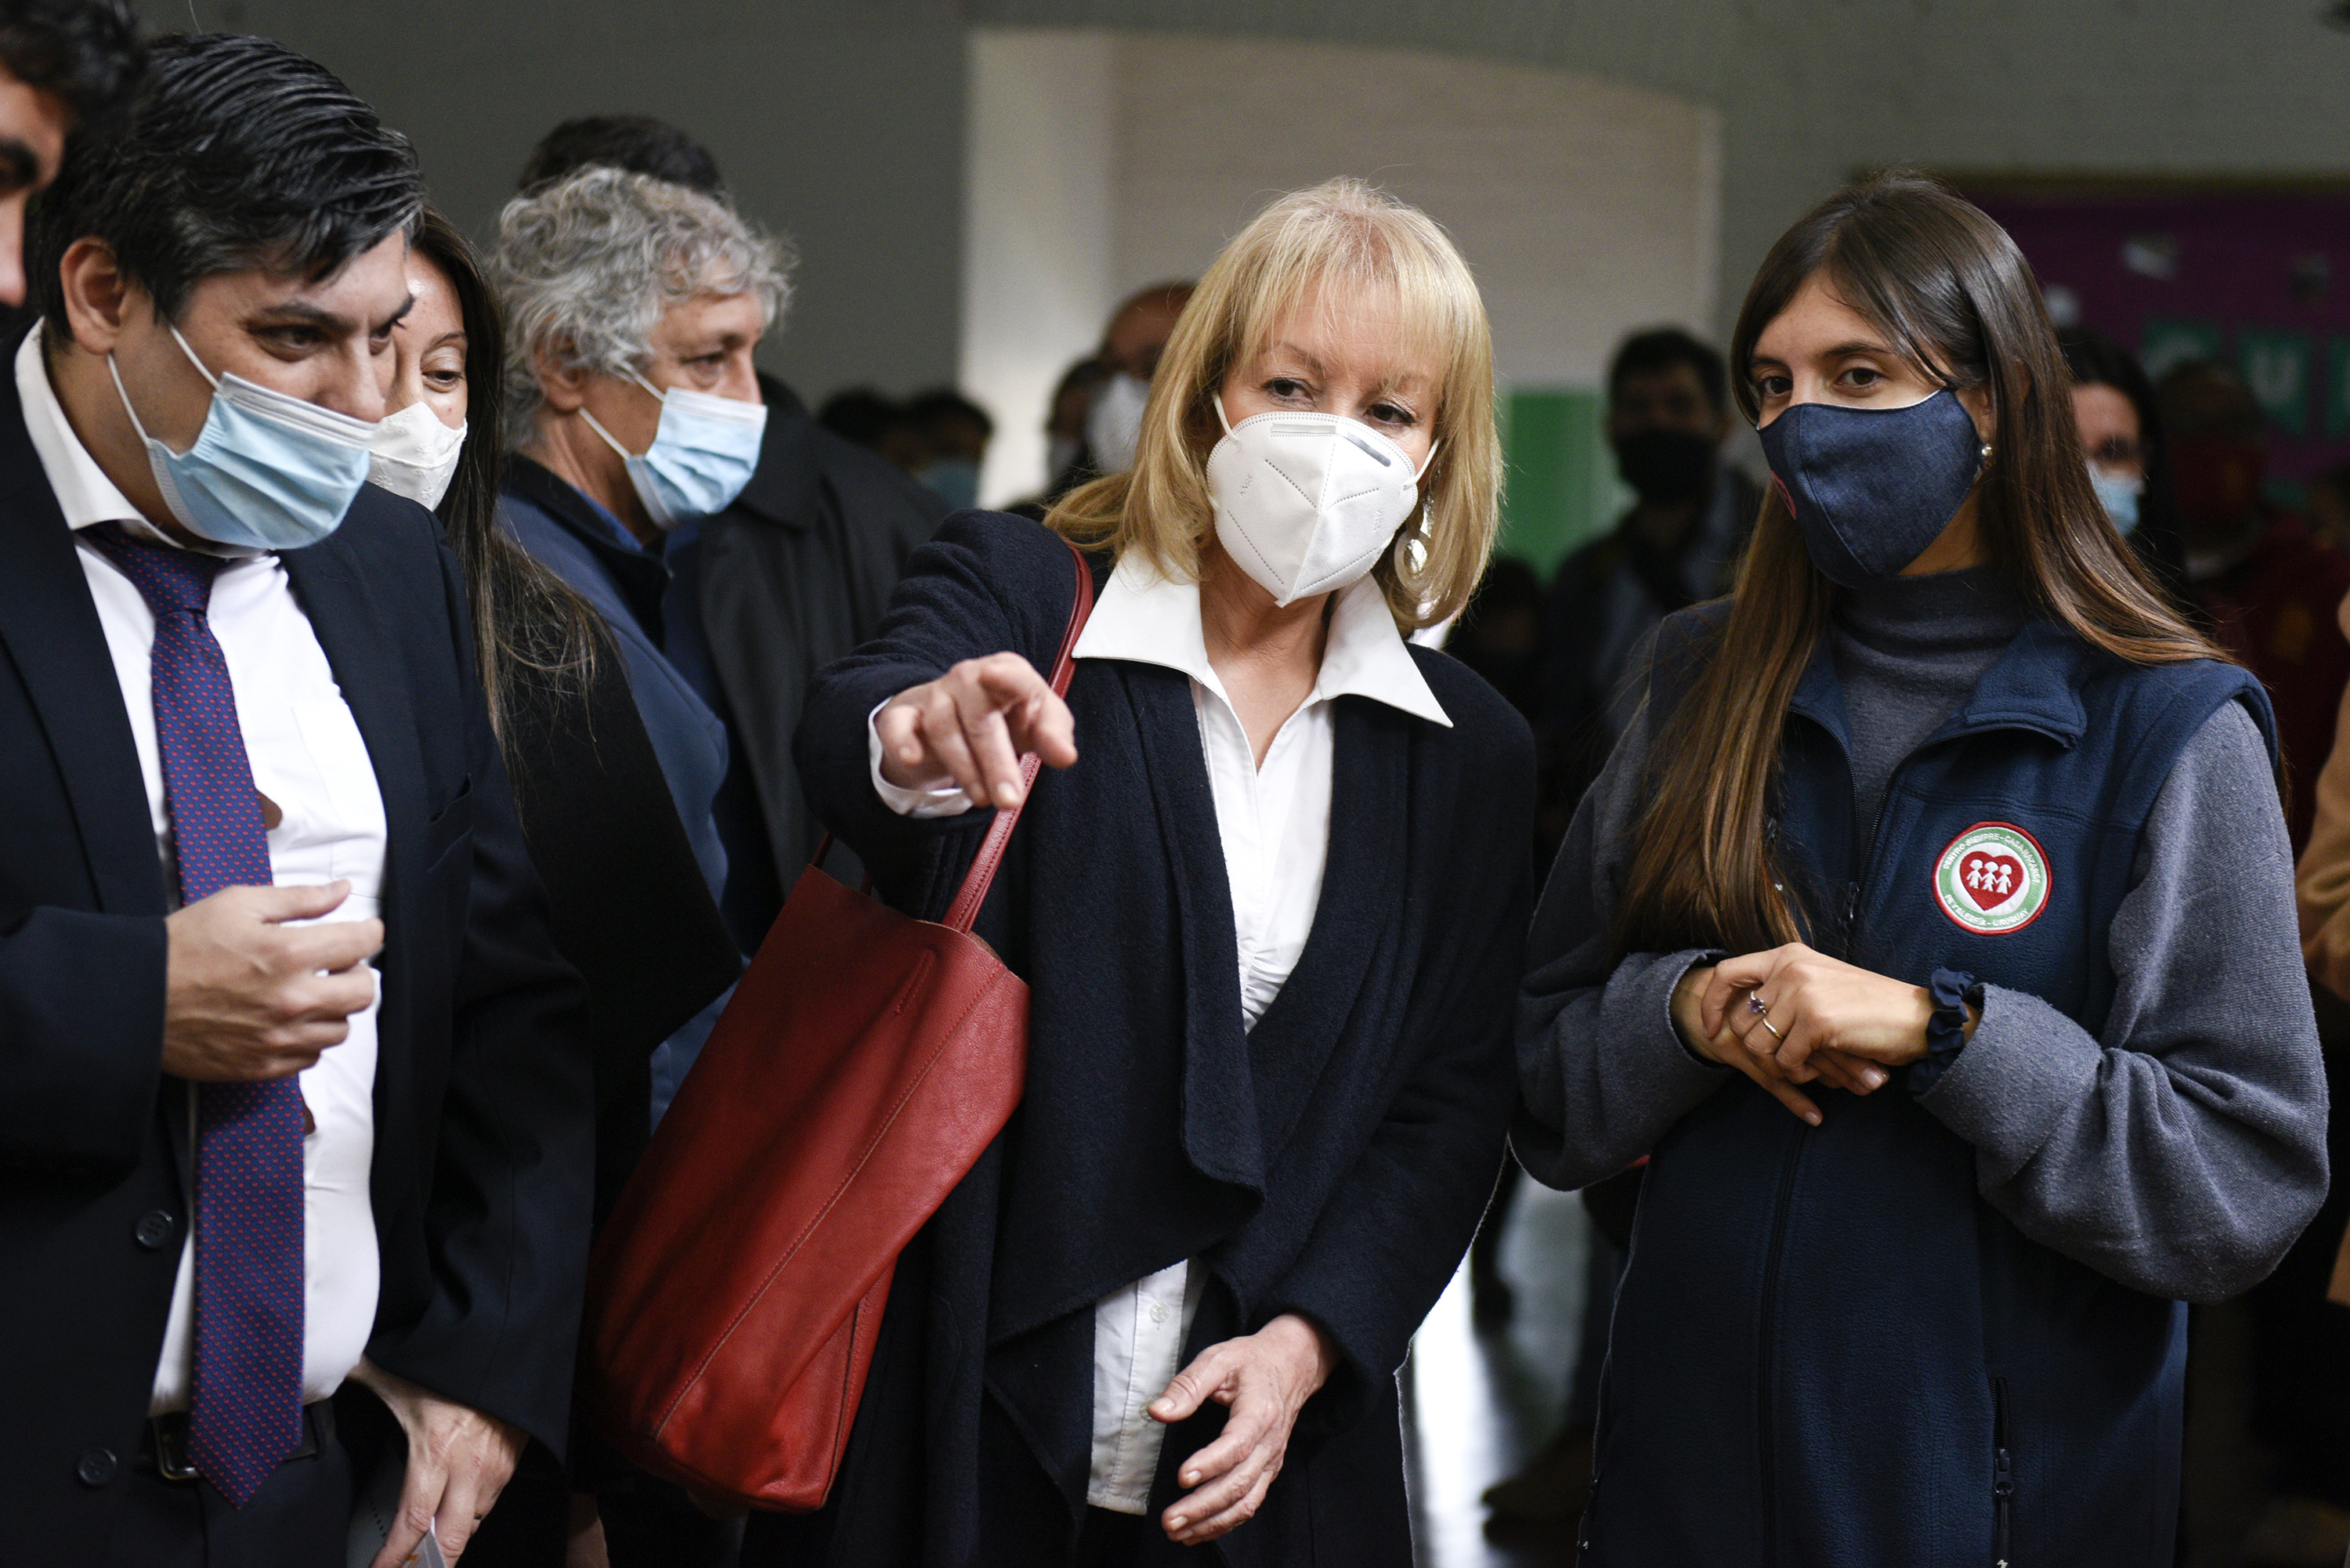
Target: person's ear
(1977,400)
(562,379)
(98,294)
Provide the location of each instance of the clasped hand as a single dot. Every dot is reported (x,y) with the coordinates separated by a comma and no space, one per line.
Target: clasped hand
(971,726)
(1823,1020)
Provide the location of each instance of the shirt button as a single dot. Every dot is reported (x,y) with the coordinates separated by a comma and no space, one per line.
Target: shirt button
(1158,1312)
(96,1467)
(154,1230)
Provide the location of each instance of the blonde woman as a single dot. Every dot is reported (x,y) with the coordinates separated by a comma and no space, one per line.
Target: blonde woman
(1269,900)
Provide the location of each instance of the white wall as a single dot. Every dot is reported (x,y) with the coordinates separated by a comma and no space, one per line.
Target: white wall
(1040,192)
(1586,208)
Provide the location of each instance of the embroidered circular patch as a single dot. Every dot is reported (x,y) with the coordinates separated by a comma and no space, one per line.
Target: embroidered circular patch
(1993,879)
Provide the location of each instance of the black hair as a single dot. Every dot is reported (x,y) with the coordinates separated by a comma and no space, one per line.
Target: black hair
(235,153)
(635,142)
(536,641)
(946,405)
(87,52)
(2097,360)
(860,415)
(1661,349)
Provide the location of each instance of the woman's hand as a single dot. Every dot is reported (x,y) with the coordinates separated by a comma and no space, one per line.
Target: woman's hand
(971,725)
(1267,1377)
(1712,1036)
(1815,1006)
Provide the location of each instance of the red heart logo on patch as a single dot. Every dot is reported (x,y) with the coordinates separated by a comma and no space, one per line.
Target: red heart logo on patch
(1991,879)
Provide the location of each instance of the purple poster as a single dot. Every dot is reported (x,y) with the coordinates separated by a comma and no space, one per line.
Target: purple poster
(2258,279)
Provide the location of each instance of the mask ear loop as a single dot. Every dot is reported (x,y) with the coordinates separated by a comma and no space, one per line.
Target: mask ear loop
(135,423)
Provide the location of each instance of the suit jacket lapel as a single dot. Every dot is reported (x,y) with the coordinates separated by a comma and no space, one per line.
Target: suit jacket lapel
(50,626)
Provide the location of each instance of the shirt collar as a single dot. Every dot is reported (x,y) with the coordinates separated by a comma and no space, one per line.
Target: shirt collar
(84,494)
(1144,618)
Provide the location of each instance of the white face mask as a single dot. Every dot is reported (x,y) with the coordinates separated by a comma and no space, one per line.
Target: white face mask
(1307,502)
(415,455)
(1114,423)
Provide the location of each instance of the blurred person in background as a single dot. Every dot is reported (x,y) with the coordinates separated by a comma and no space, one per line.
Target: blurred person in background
(2268,587)
(1270,918)
(954,432)
(1136,338)
(2329,505)
(627,904)
(65,65)
(1065,465)
(789,576)
(2120,422)
(866,417)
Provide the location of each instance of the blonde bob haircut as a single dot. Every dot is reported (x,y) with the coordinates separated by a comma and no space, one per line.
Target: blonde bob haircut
(1331,245)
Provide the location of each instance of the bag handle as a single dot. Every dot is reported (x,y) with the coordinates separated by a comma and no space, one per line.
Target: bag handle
(965,911)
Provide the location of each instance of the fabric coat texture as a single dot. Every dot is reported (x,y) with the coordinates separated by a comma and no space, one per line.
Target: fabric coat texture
(482,1170)
(1332,1162)
(793,576)
(1882,1340)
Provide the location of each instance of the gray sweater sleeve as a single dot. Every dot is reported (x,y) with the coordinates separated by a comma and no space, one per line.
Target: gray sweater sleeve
(2183,1151)
(1603,1070)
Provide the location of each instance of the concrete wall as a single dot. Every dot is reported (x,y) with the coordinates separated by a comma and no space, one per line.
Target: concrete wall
(839,122)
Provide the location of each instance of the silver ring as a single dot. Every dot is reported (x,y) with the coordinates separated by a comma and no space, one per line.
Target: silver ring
(1756,1005)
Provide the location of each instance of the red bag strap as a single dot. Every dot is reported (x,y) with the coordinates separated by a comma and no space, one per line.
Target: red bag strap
(964,910)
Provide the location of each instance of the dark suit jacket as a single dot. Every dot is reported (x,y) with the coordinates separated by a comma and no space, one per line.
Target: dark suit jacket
(1332,1161)
(794,574)
(482,1131)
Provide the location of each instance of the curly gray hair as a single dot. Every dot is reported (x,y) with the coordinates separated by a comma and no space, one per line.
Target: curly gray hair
(585,268)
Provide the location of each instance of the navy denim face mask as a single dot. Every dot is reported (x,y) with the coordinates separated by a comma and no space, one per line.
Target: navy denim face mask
(1871,488)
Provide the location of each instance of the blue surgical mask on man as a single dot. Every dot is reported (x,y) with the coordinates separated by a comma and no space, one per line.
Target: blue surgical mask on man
(268,470)
(703,453)
(2118,494)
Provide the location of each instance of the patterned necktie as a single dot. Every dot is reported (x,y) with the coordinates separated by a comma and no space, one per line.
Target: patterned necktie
(245,1413)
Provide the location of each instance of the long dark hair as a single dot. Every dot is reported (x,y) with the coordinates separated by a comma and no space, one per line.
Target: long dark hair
(536,642)
(1951,292)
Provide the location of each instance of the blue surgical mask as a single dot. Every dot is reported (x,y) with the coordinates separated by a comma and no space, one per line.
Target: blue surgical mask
(2118,495)
(1872,488)
(703,453)
(955,480)
(268,470)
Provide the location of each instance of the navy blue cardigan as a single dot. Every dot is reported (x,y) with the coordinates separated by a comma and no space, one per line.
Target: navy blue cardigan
(1334,1161)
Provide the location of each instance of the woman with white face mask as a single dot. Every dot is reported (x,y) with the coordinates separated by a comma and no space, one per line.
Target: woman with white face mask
(627,902)
(1268,902)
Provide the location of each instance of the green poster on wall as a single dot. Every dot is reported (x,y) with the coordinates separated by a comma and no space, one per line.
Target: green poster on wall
(2277,366)
(2167,344)
(1560,490)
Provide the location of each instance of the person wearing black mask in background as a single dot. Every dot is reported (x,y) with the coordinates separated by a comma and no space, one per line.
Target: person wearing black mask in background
(1668,416)
(791,576)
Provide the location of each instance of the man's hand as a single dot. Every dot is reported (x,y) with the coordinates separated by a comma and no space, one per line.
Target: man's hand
(248,996)
(972,726)
(1267,1377)
(458,1461)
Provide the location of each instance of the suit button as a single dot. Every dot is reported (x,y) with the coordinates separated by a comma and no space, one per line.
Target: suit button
(154,1231)
(96,1467)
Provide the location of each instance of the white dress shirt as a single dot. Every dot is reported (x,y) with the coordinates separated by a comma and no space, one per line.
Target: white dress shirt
(1275,822)
(308,758)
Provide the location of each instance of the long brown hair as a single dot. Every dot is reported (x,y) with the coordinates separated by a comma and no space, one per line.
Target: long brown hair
(535,640)
(1951,291)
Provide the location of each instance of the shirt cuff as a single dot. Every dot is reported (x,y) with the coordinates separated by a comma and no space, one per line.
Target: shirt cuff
(919,803)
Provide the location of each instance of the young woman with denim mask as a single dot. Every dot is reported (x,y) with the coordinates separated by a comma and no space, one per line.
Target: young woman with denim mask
(1931,931)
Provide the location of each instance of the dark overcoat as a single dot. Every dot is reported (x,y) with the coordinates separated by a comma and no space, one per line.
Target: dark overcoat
(1332,1161)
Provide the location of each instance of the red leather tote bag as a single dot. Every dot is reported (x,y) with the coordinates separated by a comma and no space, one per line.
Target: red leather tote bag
(864,1065)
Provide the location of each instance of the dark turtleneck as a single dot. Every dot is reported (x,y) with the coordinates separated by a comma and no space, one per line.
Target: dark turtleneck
(1907,653)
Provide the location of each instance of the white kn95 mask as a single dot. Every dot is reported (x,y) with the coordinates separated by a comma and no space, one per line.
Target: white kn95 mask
(1306,502)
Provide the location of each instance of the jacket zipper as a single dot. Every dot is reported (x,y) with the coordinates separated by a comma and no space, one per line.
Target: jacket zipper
(2002,1473)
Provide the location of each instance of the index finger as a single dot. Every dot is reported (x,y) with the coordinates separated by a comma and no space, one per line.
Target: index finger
(420,1500)
(1009,679)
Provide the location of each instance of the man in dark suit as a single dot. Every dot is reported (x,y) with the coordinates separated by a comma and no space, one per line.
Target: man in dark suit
(292,1093)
